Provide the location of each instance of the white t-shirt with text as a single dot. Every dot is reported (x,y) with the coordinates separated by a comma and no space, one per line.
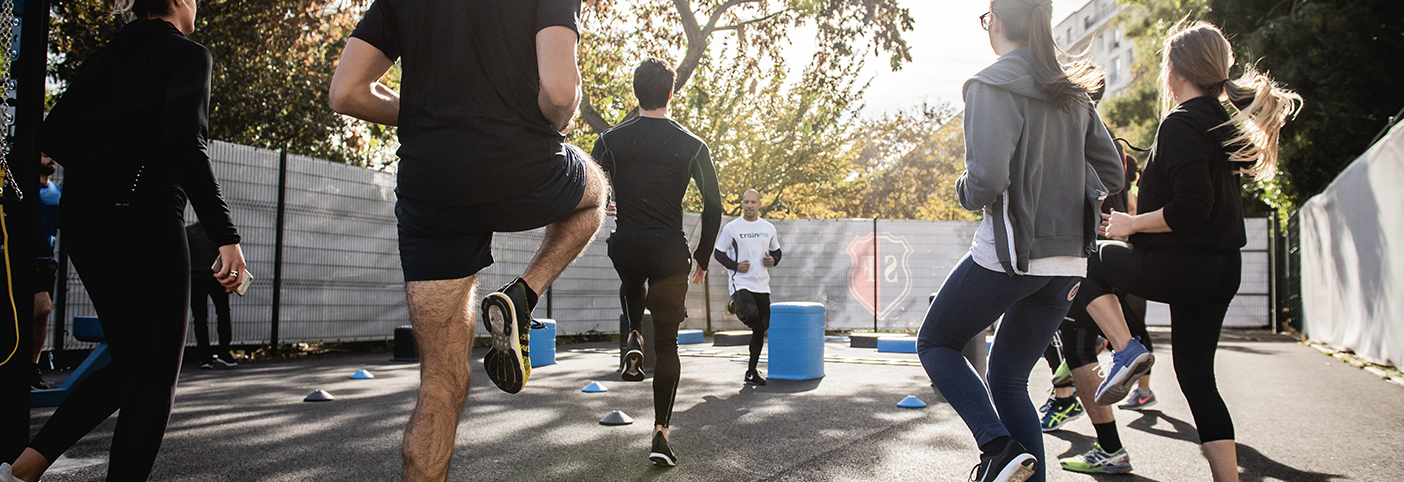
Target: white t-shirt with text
(744,240)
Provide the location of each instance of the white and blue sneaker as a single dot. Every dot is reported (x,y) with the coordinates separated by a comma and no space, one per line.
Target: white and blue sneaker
(1127,367)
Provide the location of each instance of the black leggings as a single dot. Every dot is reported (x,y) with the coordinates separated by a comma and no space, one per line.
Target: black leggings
(203,285)
(1198,287)
(754,310)
(661,261)
(137,273)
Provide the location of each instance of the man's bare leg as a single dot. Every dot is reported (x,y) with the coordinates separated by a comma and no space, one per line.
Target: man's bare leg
(567,239)
(441,313)
(1106,311)
(1086,376)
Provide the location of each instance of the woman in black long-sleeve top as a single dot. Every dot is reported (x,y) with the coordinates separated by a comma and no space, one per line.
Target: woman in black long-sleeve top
(131,132)
(1184,248)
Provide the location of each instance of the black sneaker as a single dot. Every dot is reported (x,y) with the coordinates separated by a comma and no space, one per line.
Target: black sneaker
(508,318)
(1013,464)
(38,383)
(662,453)
(633,359)
(754,378)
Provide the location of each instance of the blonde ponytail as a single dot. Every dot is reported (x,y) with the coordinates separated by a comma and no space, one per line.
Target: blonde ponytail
(123,9)
(1200,53)
(1263,108)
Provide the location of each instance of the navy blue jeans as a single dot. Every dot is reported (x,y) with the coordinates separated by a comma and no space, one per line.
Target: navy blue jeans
(971,299)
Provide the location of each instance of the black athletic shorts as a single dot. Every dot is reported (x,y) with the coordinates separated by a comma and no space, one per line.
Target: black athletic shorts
(45,270)
(451,242)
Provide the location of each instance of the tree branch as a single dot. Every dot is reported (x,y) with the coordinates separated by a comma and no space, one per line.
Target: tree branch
(598,124)
(748,22)
(697,36)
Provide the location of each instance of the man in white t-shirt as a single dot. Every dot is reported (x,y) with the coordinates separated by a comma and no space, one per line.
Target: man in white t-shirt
(748,248)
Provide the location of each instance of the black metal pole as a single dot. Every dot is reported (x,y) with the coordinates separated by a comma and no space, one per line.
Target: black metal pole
(707,299)
(59,329)
(21,221)
(278,244)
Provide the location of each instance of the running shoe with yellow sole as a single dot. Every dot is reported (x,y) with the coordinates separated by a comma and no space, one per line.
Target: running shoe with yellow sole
(508,317)
(1098,461)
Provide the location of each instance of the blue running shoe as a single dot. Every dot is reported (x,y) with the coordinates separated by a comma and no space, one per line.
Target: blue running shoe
(1060,414)
(1127,366)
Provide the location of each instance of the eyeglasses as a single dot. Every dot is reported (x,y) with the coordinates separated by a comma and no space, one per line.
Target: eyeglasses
(985,20)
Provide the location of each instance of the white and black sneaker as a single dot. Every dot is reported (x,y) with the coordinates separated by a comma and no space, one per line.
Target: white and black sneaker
(662,453)
(508,316)
(633,359)
(1013,464)
(228,363)
(754,378)
(207,365)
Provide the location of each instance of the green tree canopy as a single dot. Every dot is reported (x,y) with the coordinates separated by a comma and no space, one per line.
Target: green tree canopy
(273,61)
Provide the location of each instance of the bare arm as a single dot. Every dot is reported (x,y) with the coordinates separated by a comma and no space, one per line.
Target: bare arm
(1118,224)
(356,89)
(560,75)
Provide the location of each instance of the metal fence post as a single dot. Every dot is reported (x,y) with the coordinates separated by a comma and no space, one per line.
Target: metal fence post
(278,245)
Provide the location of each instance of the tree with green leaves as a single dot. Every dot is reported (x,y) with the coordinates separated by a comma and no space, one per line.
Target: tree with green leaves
(1343,57)
(788,136)
(273,60)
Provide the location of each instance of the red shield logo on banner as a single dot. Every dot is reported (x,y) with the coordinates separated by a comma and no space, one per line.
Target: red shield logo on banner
(879,278)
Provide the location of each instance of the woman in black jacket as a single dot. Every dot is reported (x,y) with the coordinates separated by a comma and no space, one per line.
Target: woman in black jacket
(131,132)
(1184,246)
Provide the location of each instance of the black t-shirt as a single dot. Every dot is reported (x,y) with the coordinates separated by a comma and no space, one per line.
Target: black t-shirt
(470,128)
(1190,177)
(649,162)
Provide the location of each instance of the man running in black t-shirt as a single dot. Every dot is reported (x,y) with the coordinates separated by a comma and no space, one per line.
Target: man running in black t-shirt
(649,160)
(487,92)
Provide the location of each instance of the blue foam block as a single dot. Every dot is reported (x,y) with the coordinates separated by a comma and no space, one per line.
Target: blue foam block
(688,337)
(897,344)
(543,344)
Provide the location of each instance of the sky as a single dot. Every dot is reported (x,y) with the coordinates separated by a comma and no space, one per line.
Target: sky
(947,46)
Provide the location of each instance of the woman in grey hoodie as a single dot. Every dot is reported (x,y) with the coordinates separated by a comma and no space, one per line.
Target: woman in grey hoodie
(1038,161)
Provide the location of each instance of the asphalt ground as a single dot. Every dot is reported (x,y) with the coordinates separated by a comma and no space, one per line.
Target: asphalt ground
(1300,416)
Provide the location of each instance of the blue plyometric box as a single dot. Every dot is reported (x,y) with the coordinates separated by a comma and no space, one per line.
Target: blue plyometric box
(897,344)
(796,340)
(85,328)
(543,344)
(689,337)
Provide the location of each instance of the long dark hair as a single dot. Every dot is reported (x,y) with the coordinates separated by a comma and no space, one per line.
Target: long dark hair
(1028,23)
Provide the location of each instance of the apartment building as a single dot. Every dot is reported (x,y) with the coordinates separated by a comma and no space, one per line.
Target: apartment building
(1093,28)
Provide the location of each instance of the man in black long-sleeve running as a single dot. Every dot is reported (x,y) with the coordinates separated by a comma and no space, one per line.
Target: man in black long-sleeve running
(649,159)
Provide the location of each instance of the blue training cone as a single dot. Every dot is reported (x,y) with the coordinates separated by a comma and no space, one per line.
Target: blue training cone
(362,375)
(911,402)
(594,387)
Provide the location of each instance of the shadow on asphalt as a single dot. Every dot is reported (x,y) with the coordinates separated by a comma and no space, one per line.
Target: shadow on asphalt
(1181,430)
(1257,467)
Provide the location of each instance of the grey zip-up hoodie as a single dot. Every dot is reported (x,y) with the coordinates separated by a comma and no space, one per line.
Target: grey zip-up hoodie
(1038,171)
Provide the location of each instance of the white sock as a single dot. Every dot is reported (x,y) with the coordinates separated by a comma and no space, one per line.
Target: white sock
(6,474)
